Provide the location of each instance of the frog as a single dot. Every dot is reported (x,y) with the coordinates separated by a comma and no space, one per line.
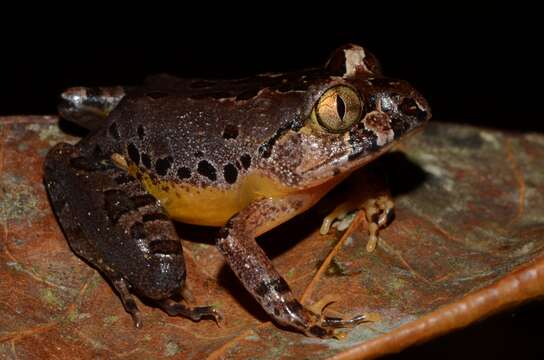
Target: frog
(243,155)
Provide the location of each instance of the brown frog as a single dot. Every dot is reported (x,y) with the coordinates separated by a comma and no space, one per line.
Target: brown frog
(245,155)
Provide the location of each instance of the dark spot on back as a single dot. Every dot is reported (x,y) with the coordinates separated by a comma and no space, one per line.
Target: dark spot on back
(113,131)
(199,153)
(230,173)
(162,165)
(184,172)
(157,94)
(206,169)
(141,132)
(230,132)
(146,160)
(133,153)
(246,161)
(165,246)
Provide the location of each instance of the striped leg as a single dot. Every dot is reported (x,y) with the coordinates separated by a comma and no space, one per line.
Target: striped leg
(110,221)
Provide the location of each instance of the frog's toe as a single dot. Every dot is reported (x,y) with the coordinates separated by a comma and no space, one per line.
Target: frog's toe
(194,313)
(328,326)
(325,326)
(338,214)
(127,299)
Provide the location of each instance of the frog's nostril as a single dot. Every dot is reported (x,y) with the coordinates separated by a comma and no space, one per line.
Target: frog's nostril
(412,107)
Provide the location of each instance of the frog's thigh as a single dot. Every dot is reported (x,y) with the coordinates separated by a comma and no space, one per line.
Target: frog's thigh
(111,221)
(236,242)
(371,195)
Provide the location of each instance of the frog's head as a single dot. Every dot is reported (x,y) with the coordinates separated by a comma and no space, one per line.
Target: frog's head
(351,115)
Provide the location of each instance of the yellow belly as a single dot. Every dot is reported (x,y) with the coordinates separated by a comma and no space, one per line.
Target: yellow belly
(210,206)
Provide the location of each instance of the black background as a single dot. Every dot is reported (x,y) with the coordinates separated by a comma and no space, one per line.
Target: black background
(481,66)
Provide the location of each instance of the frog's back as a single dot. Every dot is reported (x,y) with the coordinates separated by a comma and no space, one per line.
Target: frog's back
(196,148)
(200,138)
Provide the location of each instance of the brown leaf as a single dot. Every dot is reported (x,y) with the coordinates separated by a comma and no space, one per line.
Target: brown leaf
(467,241)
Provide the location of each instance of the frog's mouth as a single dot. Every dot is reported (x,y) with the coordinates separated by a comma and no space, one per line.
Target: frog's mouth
(342,165)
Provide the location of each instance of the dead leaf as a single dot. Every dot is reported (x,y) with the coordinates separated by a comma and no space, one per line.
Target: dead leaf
(467,241)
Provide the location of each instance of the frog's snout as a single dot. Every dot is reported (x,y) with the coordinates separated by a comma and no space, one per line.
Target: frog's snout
(406,108)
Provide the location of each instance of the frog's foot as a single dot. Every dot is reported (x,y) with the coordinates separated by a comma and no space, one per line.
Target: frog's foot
(112,222)
(194,313)
(379,212)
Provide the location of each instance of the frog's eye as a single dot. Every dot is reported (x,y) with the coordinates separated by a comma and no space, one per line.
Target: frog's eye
(338,108)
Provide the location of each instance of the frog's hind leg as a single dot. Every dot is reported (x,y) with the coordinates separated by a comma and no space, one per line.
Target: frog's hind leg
(236,241)
(110,221)
(89,106)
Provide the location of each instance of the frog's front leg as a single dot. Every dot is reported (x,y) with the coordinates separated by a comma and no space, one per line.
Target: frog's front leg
(236,241)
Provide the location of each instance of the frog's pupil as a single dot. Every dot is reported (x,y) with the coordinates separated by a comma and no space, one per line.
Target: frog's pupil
(340,107)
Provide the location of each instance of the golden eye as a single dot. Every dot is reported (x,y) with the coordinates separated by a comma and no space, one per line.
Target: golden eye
(338,108)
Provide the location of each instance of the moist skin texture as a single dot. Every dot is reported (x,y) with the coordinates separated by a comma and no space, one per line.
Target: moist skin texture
(245,155)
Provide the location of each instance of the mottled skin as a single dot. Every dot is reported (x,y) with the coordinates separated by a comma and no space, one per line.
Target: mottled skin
(245,155)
